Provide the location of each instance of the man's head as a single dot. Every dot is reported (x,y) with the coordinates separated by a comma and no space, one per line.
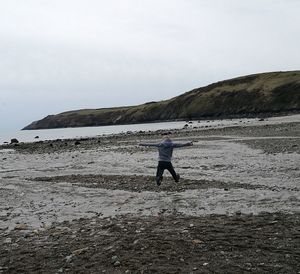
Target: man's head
(166,137)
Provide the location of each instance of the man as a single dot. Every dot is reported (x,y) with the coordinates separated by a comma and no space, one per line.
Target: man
(165,151)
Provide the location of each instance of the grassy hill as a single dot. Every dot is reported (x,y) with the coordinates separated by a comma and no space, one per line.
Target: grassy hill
(257,94)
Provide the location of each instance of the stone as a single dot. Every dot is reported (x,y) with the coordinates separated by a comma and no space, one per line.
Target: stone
(114,259)
(21,226)
(79,251)
(14,141)
(8,241)
(69,258)
(117,263)
(36,137)
(197,241)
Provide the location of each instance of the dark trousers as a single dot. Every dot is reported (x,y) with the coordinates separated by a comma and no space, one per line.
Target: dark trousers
(161,168)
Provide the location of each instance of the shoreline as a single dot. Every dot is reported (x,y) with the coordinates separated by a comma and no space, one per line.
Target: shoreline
(261,131)
(200,124)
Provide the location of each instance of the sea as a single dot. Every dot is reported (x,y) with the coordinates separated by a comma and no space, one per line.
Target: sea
(84,132)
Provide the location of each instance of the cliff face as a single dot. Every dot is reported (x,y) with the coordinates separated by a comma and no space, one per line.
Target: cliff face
(273,92)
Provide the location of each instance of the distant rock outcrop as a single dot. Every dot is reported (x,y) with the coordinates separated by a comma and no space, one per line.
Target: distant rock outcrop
(14,141)
(265,93)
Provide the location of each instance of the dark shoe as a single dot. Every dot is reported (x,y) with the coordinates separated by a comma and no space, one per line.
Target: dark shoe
(178,177)
(159,180)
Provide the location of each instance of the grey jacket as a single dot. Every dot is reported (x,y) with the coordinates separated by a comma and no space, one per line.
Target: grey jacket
(165,148)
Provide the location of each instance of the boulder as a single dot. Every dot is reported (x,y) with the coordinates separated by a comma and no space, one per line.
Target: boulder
(14,141)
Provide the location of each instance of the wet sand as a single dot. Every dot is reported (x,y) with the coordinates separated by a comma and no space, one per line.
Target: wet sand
(92,206)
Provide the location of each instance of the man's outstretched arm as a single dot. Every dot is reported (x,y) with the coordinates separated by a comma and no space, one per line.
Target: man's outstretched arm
(182,144)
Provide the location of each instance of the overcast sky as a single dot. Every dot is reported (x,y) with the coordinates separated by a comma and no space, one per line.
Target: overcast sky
(59,55)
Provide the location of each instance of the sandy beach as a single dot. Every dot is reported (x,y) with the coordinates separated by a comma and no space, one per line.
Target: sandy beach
(92,205)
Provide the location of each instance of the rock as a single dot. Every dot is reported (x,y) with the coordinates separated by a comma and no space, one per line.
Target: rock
(262,119)
(69,258)
(114,259)
(79,251)
(36,137)
(14,141)
(8,241)
(117,263)
(205,264)
(21,227)
(77,143)
(197,241)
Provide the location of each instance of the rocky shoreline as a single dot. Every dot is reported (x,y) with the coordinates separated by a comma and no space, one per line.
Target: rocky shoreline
(193,132)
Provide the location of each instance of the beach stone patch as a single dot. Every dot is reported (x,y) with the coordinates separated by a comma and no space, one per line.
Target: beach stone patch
(138,183)
(266,243)
(273,145)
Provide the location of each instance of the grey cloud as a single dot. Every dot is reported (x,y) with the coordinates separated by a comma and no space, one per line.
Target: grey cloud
(109,53)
